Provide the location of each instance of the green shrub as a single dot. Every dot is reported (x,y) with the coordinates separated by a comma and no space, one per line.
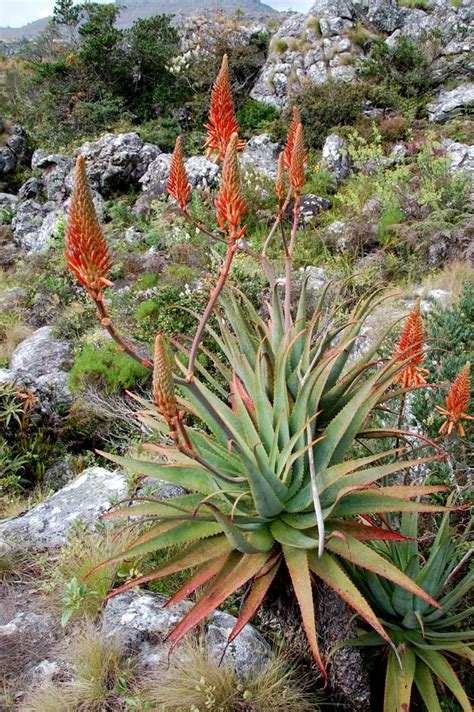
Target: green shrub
(279,45)
(106,367)
(325,106)
(416,4)
(361,36)
(255,117)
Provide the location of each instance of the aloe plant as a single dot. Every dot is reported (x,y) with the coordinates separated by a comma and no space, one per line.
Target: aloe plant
(270,473)
(270,467)
(425,638)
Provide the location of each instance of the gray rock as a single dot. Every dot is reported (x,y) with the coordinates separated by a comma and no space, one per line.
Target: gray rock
(7,200)
(47,231)
(40,354)
(27,223)
(8,161)
(247,654)
(452,102)
(461,157)
(261,154)
(383,15)
(58,475)
(31,189)
(154,180)
(18,142)
(133,237)
(55,169)
(117,161)
(202,174)
(311,205)
(335,157)
(8,376)
(140,620)
(89,495)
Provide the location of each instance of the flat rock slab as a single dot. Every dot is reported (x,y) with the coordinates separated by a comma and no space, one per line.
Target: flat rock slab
(89,495)
(40,354)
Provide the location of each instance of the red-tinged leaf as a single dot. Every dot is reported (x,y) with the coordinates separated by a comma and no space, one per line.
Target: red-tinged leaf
(297,563)
(237,570)
(358,553)
(327,568)
(194,555)
(443,670)
(410,491)
(376,500)
(204,574)
(366,532)
(254,599)
(153,532)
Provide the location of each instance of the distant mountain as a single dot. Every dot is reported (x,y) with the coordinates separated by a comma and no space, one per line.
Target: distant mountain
(134,9)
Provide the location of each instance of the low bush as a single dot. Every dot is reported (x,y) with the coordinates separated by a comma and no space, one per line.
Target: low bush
(325,106)
(255,117)
(107,367)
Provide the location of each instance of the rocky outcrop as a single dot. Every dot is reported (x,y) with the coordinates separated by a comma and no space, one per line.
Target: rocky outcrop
(452,102)
(89,495)
(319,45)
(142,622)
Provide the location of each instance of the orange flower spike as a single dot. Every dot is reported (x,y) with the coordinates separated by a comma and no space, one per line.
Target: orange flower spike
(230,207)
(280,183)
(411,347)
(457,402)
(290,141)
(178,186)
(298,159)
(86,250)
(222,122)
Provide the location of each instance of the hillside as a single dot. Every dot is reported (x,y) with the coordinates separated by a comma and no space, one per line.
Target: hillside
(135,9)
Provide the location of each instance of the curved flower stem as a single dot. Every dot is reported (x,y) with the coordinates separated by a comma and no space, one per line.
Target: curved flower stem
(103,314)
(278,221)
(224,273)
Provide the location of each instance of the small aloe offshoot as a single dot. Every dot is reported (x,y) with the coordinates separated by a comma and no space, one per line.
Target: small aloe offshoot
(426,638)
(273,470)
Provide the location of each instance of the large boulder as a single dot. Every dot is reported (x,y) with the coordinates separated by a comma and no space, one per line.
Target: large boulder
(16,151)
(40,364)
(335,157)
(40,354)
(8,161)
(261,155)
(27,225)
(117,161)
(452,102)
(142,622)
(47,525)
(55,169)
(461,158)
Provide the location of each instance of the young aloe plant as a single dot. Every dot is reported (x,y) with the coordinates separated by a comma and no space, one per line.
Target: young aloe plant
(272,479)
(424,637)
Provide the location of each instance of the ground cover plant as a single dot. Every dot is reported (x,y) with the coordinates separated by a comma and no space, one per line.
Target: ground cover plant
(269,451)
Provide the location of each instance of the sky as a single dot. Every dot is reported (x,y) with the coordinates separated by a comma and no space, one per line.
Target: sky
(15,13)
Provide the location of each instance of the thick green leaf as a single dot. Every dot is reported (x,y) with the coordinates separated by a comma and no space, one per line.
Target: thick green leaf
(443,670)
(327,568)
(257,593)
(297,563)
(362,555)
(284,534)
(426,688)
(399,680)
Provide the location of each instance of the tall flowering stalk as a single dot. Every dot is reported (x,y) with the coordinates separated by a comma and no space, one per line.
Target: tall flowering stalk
(410,349)
(87,254)
(457,403)
(222,122)
(230,210)
(178,185)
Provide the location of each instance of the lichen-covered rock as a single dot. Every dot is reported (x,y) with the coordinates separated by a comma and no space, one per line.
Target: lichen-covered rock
(8,160)
(201,174)
(19,143)
(452,102)
(89,495)
(40,354)
(27,223)
(117,161)
(247,654)
(335,157)
(7,200)
(261,154)
(461,159)
(310,206)
(142,622)
(55,170)
(318,46)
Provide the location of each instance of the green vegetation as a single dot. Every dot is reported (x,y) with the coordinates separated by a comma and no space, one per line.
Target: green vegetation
(425,639)
(107,367)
